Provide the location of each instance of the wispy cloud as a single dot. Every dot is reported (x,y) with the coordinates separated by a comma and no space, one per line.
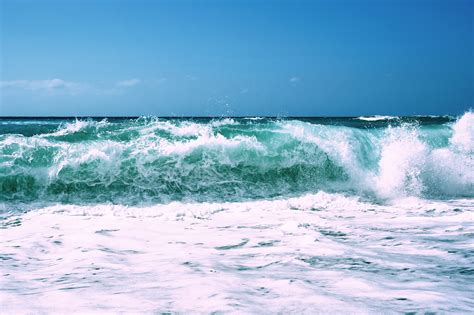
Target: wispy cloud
(49,85)
(294,80)
(128,83)
(60,87)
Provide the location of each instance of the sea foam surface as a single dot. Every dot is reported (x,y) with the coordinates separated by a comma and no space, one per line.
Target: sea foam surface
(237,215)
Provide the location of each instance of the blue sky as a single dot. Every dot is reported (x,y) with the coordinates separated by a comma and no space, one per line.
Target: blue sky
(213,58)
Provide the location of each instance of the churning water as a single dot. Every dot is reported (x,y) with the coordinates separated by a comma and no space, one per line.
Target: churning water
(247,215)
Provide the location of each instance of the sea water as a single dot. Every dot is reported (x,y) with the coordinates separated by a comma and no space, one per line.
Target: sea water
(237,215)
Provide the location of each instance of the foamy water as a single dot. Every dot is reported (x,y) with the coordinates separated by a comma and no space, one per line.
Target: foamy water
(238,216)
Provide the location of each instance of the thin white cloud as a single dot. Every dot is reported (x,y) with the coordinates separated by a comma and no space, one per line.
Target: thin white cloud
(61,87)
(128,83)
(294,80)
(49,85)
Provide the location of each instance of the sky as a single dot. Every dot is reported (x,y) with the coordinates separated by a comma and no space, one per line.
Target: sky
(236,58)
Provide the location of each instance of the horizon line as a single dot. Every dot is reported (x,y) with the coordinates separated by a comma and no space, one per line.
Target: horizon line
(211,117)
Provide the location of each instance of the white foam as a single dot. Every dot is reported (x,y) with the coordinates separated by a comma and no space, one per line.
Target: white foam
(76,126)
(463,133)
(405,164)
(376,118)
(223,122)
(318,252)
(402,159)
(107,153)
(182,211)
(186,128)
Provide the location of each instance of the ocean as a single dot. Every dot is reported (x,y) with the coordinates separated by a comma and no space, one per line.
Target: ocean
(237,215)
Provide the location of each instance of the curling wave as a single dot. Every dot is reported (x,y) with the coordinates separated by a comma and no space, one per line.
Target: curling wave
(151,160)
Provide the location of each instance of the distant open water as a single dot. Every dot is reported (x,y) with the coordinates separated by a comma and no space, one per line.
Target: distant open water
(248,215)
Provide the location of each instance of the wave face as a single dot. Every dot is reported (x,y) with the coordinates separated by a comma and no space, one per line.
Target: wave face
(152,160)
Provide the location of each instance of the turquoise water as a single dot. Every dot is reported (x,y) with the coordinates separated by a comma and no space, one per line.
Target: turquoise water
(152,160)
(358,214)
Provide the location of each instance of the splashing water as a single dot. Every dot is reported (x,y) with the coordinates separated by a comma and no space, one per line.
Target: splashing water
(153,160)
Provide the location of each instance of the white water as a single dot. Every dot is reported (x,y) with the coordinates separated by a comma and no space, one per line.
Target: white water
(376,118)
(405,164)
(317,253)
(320,252)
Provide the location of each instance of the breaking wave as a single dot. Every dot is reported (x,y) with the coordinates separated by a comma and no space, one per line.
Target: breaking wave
(151,160)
